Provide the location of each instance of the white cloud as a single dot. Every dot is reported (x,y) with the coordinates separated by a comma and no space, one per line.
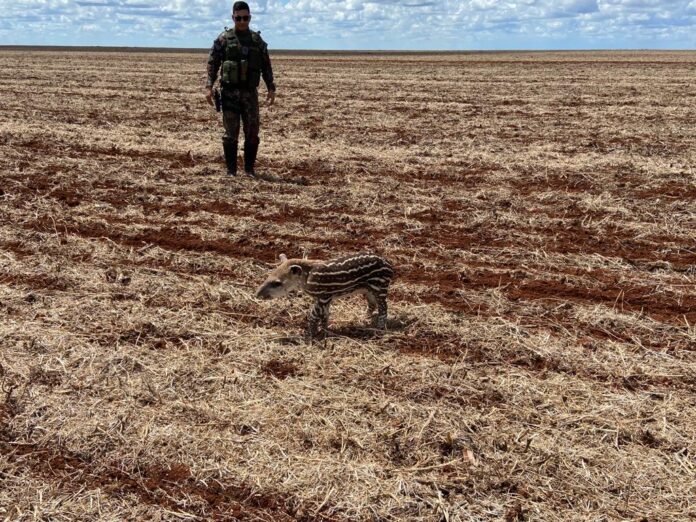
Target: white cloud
(354,24)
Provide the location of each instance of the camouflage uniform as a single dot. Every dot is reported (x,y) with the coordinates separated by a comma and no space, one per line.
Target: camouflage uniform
(240,101)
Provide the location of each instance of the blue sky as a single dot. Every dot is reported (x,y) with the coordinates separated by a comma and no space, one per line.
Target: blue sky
(358,24)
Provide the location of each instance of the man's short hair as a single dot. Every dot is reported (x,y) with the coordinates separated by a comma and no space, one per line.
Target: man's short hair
(240,6)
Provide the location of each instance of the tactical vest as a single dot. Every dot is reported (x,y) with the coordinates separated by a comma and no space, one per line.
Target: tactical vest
(241,67)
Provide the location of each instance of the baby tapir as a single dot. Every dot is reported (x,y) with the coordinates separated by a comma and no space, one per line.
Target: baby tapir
(367,274)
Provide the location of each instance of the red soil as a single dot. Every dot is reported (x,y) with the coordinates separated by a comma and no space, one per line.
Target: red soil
(171,485)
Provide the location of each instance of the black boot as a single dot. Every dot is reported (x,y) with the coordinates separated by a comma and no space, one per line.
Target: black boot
(230,149)
(250,150)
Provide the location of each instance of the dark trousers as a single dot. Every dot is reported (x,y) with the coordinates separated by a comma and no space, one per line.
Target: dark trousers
(241,104)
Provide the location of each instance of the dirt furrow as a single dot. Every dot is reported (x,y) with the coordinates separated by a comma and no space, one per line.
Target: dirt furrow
(171,486)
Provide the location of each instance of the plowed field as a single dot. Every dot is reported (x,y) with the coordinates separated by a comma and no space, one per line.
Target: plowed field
(540,356)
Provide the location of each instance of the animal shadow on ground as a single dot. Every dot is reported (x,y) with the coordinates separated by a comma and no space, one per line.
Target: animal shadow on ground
(365,333)
(360,333)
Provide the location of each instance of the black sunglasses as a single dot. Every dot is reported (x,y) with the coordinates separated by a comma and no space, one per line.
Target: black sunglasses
(244,18)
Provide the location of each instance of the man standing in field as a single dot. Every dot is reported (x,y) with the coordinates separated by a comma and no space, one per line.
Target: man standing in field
(243,57)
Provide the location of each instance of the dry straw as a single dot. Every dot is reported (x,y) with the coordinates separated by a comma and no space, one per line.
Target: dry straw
(539,362)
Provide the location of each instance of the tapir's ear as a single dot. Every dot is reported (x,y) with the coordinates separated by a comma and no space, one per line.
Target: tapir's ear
(283,258)
(296,270)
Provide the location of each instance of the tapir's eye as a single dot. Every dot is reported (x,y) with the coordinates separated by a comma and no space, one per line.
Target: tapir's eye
(275,284)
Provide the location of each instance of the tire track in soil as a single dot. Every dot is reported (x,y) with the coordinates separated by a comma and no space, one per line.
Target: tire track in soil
(172,238)
(169,485)
(560,238)
(474,238)
(517,285)
(565,239)
(77,151)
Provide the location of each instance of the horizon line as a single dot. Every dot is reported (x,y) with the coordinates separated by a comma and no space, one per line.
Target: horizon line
(127,48)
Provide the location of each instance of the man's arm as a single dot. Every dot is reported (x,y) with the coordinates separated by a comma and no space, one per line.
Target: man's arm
(214,61)
(267,73)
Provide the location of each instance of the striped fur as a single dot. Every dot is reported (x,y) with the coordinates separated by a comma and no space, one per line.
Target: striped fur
(366,274)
